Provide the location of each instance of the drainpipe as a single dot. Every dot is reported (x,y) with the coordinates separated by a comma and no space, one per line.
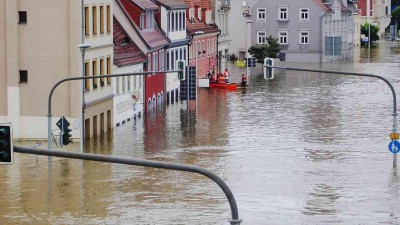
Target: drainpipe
(217,55)
(322,37)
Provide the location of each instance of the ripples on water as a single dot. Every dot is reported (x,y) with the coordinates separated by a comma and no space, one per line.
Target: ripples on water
(301,149)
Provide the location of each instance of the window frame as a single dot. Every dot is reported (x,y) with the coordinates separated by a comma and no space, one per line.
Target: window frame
(282,13)
(259,36)
(304,37)
(259,13)
(94,20)
(301,13)
(286,37)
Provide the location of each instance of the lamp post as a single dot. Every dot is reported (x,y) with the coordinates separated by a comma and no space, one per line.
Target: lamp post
(247,55)
(197,56)
(83,48)
(369,28)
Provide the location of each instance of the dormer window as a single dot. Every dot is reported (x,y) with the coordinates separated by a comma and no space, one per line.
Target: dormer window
(125,41)
(147,19)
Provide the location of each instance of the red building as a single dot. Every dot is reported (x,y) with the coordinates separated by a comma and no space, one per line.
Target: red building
(204,46)
(137,17)
(362,6)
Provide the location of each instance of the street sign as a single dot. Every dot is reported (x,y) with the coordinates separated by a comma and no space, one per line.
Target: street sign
(62,123)
(394,147)
(394,136)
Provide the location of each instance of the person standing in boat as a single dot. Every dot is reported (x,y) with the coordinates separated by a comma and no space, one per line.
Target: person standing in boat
(226,76)
(244,80)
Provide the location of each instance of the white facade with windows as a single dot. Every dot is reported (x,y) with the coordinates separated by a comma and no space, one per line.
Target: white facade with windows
(128,91)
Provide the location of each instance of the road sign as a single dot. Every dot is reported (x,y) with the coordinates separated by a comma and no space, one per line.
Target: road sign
(394,146)
(394,136)
(62,123)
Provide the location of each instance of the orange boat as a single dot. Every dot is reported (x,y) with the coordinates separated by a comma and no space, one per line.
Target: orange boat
(226,86)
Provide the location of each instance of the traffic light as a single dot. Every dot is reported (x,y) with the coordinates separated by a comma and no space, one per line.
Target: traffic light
(67,136)
(182,69)
(6,145)
(268,72)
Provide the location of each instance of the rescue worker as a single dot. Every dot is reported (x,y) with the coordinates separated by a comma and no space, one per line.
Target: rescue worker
(226,76)
(244,80)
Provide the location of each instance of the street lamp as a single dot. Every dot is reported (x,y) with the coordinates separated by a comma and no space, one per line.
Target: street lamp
(83,48)
(197,56)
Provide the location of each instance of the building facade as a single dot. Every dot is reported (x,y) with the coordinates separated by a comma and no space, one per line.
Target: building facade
(171,18)
(98,61)
(128,90)
(34,59)
(137,17)
(220,16)
(204,36)
(307,30)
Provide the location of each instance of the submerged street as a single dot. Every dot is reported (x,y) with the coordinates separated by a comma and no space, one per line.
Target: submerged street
(304,148)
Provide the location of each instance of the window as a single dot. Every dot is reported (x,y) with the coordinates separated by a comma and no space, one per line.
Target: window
(108,19)
(283,37)
(261,13)
(261,37)
(141,25)
(101,19)
(94,70)
(23,18)
(23,76)
(87,81)
(303,37)
(283,13)
(108,69)
(94,19)
(102,72)
(87,21)
(303,15)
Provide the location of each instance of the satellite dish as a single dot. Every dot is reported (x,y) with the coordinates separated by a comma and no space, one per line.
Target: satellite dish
(244,3)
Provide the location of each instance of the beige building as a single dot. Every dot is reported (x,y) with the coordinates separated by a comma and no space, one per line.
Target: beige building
(39,47)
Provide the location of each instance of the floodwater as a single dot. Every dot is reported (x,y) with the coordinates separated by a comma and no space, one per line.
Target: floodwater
(304,148)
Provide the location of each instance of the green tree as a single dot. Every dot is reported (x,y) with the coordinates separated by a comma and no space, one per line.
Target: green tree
(269,50)
(396,15)
(374,31)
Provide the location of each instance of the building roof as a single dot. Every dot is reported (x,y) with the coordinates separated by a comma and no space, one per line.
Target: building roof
(173,4)
(322,5)
(327,8)
(196,25)
(145,4)
(153,37)
(126,52)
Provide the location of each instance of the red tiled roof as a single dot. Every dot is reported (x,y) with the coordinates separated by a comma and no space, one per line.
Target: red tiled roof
(173,4)
(344,9)
(127,53)
(322,5)
(153,37)
(198,25)
(326,8)
(145,4)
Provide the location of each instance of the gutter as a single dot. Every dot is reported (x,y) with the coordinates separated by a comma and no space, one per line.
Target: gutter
(321,37)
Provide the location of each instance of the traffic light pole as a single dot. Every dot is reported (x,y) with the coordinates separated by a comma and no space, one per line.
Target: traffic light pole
(49,115)
(146,163)
(359,75)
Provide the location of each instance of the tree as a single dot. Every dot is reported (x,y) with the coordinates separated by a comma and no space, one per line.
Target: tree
(268,50)
(396,15)
(374,31)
